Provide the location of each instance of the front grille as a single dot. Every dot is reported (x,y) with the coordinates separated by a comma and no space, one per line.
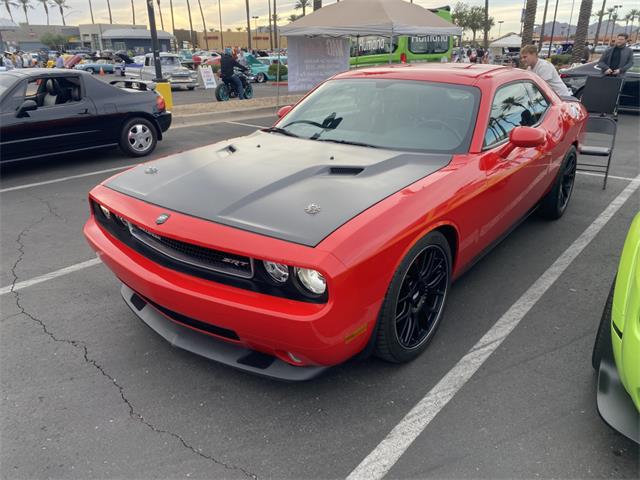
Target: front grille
(195,255)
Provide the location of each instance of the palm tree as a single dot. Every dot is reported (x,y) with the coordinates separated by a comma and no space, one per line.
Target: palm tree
(45,5)
(582,30)
(173,23)
(160,12)
(193,43)
(91,11)
(133,13)
(109,8)
(529,20)
(610,11)
(204,26)
(600,15)
(293,17)
(248,25)
(636,14)
(62,4)
(8,4)
(627,18)
(303,4)
(25,4)
(544,21)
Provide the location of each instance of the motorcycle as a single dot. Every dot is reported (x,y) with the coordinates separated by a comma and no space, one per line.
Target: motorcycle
(225,90)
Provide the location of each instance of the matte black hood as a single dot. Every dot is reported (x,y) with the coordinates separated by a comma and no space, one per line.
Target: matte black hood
(287,188)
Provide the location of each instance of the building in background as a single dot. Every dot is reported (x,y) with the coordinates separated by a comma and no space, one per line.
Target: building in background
(27,37)
(136,38)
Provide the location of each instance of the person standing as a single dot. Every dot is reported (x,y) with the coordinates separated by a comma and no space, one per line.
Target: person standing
(8,64)
(544,69)
(59,61)
(616,60)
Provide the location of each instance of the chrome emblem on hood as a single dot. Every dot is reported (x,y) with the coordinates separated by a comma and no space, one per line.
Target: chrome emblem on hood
(312,209)
(162,218)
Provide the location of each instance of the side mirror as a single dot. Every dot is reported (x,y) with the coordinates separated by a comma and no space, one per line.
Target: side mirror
(27,106)
(527,137)
(284,110)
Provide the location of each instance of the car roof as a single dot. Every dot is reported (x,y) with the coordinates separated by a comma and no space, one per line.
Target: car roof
(460,73)
(44,72)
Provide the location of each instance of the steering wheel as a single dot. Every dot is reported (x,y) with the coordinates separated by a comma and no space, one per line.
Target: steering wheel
(446,126)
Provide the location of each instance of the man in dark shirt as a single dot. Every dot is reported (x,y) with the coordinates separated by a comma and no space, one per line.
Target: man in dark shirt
(618,59)
(227,64)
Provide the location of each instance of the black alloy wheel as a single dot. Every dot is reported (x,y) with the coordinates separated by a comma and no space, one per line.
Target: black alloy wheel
(555,202)
(415,301)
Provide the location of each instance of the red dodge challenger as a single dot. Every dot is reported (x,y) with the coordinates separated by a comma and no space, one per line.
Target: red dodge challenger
(338,230)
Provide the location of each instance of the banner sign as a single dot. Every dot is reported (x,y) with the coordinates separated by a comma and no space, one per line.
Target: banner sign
(207,76)
(312,60)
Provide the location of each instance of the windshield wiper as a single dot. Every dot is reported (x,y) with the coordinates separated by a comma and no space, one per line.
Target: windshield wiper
(281,131)
(347,142)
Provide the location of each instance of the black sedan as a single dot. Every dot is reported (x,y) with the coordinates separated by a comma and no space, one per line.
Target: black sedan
(55,111)
(576,77)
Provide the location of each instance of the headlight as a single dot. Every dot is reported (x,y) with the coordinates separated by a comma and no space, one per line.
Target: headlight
(277,271)
(311,280)
(105,211)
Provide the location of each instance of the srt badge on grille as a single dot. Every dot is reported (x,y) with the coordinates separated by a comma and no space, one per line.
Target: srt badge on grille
(233,261)
(312,209)
(162,218)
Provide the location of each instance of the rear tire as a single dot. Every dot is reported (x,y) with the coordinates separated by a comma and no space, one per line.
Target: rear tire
(555,203)
(414,304)
(91,71)
(602,346)
(139,137)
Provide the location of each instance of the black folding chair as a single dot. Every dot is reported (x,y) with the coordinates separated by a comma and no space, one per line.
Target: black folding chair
(601,97)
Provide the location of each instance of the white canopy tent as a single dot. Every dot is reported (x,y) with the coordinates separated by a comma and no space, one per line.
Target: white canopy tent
(511,40)
(355,18)
(370,17)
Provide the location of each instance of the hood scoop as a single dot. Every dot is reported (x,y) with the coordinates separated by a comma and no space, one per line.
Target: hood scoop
(352,171)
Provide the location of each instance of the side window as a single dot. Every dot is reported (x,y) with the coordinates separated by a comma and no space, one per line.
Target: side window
(511,108)
(57,91)
(14,99)
(539,103)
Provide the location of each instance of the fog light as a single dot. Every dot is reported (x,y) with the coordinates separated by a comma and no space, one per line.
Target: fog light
(277,271)
(105,211)
(312,280)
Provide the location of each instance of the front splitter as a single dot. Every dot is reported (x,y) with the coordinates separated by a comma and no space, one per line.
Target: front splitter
(207,346)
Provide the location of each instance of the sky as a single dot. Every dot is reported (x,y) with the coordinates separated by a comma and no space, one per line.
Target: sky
(234,15)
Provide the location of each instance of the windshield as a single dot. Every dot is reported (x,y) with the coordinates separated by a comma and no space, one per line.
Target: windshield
(170,61)
(6,82)
(394,114)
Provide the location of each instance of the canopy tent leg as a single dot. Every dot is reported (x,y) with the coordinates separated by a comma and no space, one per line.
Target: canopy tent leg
(391,46)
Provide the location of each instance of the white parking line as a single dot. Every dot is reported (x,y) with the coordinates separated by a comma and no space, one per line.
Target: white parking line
(246,124)
(64,179)
(49,276)
(615,177)
(378,463)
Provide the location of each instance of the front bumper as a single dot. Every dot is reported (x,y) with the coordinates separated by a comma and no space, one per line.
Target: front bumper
(186,82)
(164,121)
(615,406)
(317,334)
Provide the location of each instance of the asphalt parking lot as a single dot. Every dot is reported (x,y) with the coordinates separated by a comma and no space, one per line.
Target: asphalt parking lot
(88,391)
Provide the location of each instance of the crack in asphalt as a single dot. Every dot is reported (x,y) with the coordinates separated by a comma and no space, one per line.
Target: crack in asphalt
(82,346)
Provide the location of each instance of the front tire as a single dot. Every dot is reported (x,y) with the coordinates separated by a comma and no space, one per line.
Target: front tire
(138,137)
(248,91)
(261,78)
(555,203)
(91,71)
(414,304)
(222,93)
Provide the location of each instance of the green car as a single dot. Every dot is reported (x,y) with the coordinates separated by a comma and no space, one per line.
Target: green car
(260,67)
(616,353)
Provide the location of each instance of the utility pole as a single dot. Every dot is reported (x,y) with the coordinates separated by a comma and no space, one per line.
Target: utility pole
(275,25)
(486,25)
(220,17)
(573,3)
(155,47)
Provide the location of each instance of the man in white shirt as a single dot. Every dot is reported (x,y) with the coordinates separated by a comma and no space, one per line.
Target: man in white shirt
(544,69)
